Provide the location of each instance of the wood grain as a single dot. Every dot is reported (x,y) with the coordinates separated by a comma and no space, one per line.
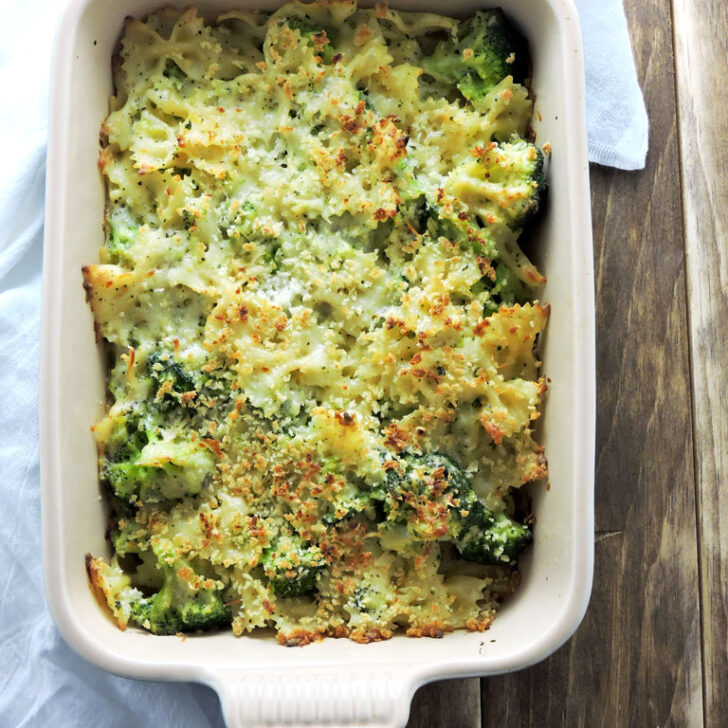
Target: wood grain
(636,660)
(701,60)
(453,703)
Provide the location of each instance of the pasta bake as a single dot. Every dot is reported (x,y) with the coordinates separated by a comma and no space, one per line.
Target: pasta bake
(322,331)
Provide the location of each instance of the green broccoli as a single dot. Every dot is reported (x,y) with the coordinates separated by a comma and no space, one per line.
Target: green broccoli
(349,502)
(421,493)
(126,533)
(506,290)
(170,378)
(433,497)
(508,287)
(347,498)
(505,185)
(292,566)
(189,391)
(121,233)
(431,220)
(485,51)
(185,602)
(128,536)
(121,451)
(318,38)
(173,71)
(518,166)
(490,538)
(141,460)
(238,222)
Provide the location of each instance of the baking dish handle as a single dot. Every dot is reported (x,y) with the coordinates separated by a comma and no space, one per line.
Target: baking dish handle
(331,698)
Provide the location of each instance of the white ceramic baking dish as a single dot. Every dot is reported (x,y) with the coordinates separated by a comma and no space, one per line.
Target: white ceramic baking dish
(335,682)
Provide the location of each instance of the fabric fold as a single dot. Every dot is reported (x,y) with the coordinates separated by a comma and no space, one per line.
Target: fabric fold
(617,123)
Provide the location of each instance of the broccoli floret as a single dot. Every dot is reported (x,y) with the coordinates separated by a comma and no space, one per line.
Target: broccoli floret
(238,223)
(185,602)
(433,497)
(505,186)
(122,449)
(518,166)
(202,609)
(421,491)
(347,503)
(292,566)
(178,471)
(140,460)
(121,232)
(173,71)
(344,498)
(187,390)
(467,233)
(170,378)
(506,290)
(318,38)
(128,536)
(491,538)
(486,50)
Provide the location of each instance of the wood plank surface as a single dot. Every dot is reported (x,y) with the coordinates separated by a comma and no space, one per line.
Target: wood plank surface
(453,703)
(636,660)
(701,60)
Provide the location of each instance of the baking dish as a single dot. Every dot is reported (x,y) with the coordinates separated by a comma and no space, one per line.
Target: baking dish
(335,682)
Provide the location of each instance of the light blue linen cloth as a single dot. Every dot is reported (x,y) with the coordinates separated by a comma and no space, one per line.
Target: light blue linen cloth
(42,682)
(616,116)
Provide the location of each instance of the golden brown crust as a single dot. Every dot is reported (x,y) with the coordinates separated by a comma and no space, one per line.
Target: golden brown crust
(274,366)
(435,629)
(99,589)
(299,637)
(479,625)
(370,634)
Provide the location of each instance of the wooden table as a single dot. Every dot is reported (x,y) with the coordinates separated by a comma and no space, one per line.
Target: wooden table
(652,649)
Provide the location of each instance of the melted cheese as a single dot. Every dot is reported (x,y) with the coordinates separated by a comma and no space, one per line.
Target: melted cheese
(257,234)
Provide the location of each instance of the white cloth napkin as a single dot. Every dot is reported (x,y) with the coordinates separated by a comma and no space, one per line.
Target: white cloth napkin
(42,682)
(616,116)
